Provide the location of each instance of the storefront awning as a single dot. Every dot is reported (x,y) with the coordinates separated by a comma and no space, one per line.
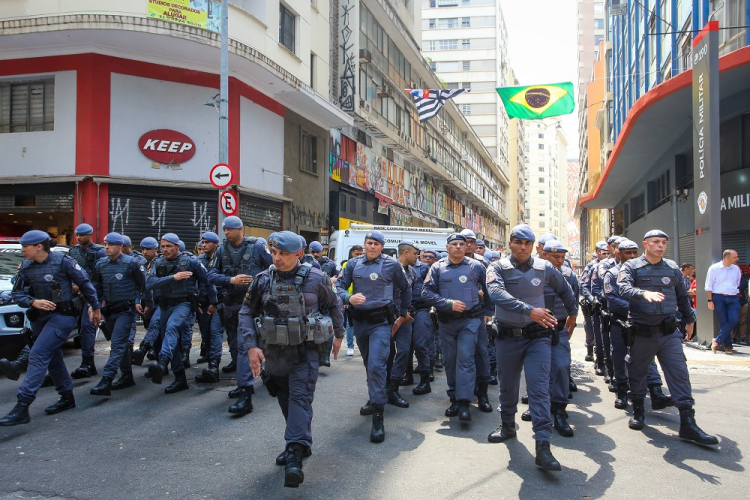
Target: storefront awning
(658,119)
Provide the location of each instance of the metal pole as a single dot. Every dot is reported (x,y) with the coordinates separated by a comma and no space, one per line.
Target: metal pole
(224,103)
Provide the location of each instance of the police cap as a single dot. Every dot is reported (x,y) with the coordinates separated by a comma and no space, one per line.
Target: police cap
(626,244)
(612,239)
(126,241)
(316,246)
(409,243)
(456,236)
(210,237)
(468,234)
(375,235)
(181,244)
(522,232)
(286,241)
(232,222)
(554,246)
(547,237)
(480,243)
(433,252)
(602,245)
(34,237)
(302,240)
(172,238)
(84,229)
(149,243)
(114,239)
(655,233)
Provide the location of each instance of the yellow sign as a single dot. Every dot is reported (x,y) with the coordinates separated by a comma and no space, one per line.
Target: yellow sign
(204,14)
(347,223)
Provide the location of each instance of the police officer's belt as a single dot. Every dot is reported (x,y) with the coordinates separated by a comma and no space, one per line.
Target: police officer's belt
(171,302)
(667,327)
(560,324)
(619,317)
(419,304)
(374,316)
(65,307)
(116,307)
(531,331)
(447,317)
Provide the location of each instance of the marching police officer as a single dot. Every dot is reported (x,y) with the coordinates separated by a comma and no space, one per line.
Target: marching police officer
(173,280)
(591,317)
(456,287)
(86,253)
(119,280)
(209,320)
(127,249)
(326,265)
(234,266)
(422,340)
(525,324)
(151,311)
(44,286)
(307,258)
(655,289)
(597,285)
(292,303)
(374,277)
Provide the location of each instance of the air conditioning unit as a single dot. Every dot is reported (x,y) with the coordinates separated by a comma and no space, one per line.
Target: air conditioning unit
(365,56)
(384,92)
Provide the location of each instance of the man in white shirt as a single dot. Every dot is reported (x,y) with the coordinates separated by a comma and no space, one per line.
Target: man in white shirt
(722,289)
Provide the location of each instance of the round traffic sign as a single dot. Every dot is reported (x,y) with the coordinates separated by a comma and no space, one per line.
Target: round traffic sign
(228,203)
(221,175)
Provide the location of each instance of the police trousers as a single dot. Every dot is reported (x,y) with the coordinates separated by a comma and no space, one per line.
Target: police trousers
(482,356)
(231,323)
(212,332)
(534,357)
(88,334)
(401,344)
(588,328)
(120,325)
(50,333)
(422,339)
(459,339)
(559,377)
(174,321)
(187,334)
(154,328)
(295,394)
(619,351)
(374,344)
(668,350)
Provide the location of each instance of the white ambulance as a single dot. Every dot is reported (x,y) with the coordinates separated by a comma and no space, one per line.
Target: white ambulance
(426,238)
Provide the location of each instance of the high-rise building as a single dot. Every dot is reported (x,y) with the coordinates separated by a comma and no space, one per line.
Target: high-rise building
(517,162)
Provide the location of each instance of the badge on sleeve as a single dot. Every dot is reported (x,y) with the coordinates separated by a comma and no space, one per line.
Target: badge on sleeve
(143,269)
(608,288)
(78,268)
(621,276)
(491,278)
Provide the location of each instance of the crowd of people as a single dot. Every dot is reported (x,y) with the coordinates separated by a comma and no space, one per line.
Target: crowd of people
(482,318)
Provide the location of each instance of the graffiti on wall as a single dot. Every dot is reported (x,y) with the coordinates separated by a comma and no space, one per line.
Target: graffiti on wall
(347,89)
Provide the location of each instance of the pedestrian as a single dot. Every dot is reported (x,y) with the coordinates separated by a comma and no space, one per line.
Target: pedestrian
(740,333)
(119,280)
(44,286)
(86,253)
(654,288)
(374,277)
(456,287)
(722,291)
(236,263)
(291,294)
(525,330)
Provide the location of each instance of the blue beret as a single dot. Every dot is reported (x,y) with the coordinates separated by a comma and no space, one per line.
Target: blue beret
(554,246)
(285,241)
(443,255)
(232,222)
(433,252)
(456,236)
(172,238)
(656,233)
(181,245)
(522,232)
(302,240)
(126,241)
(602,245)
(410,243)
(547,237)
(612,239)
(468,233)
(315,246)
(84,229)
(149,243)
(210,236)
(495,254)
(34,237)
(480,243)
(626,244)
(375,235)
(114,239)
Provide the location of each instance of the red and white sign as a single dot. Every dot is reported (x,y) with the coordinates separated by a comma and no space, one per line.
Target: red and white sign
(228,203)
(221,175)
(166,146)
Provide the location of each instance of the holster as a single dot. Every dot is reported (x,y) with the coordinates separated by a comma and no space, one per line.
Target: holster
(147,317)
(434,318)
(492,329)
(269,383)
(118,307)
(627,332)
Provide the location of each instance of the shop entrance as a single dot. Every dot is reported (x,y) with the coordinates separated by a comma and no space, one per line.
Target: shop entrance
(46,207)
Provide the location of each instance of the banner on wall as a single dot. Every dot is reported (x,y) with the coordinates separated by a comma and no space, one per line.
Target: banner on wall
(204,14)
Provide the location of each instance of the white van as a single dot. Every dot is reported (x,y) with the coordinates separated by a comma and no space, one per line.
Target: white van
(426,238)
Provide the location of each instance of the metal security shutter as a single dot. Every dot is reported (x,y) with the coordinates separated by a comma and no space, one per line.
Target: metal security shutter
(256,212)
(141,211)
(47,197)
(736,241)
(687,249)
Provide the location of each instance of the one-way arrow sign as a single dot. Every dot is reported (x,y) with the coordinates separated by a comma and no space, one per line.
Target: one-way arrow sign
(221,175)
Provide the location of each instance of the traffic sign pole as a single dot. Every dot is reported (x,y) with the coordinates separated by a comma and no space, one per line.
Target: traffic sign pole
(224,104)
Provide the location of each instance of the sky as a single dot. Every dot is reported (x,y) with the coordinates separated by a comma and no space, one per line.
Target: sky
(543,48)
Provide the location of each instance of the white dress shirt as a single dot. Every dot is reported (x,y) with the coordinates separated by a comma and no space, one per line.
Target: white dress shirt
(723,280)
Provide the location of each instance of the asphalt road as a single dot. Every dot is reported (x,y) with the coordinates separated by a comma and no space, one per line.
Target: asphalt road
(141,443)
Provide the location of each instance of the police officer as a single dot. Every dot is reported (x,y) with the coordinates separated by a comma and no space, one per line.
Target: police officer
(374,277)
(591,317)
(525,323)
(654,288)
(482,249)
(209,320)
(86,253)
(297,299)
(151,311)
(44,286)
(173,280)
(127,249)
(597,285)
(234,266)
(326,265)
(422,340)
(554,252)
(119,280)
(206,297)
(456,287)
(307,258)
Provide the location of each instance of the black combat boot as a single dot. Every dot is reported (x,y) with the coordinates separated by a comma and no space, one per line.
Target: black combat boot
(180,383)
(483,401)
(158,369)
(589,354)
(503,432)
(621,403)
(103,388)
(464,415)
(525,399)
(126,380)
(599,367)
(544,458)
(203,357)
(13,369)
(408,378)
(66,402)
(244,404)
(235,393)
(87,369)
(18,415)
(689,430)
(560,419)
(293,475)
(424,385)
(281,459)
(325,360)
(659,400)
(639,415)
(137,357)
(230,368)
(151,355)
(47,382)
(572,387)
(526,416)
(432,371)
(493,374)
(394,397)
(186,358)
(377,434)
(439,361)
(209,375)
(366,409)
(452,410)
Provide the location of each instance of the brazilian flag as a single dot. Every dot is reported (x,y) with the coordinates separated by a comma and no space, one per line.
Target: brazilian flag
(538,101)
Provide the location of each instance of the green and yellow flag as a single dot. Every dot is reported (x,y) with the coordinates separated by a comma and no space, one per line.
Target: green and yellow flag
(535,102)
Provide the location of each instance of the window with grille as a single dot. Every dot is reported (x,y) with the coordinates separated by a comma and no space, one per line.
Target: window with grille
(309,154)
(448,44)
(286,28)
(466,22)
(466,109)
(466,65)
(451,22)
(465,44)
(27,106)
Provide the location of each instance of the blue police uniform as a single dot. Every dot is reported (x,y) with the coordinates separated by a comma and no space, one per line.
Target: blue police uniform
(151,320)
(50,280)
(400,347)
(588,317)
(206,296)
(560,370)
(422,330)
(597,284)
(211,328)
